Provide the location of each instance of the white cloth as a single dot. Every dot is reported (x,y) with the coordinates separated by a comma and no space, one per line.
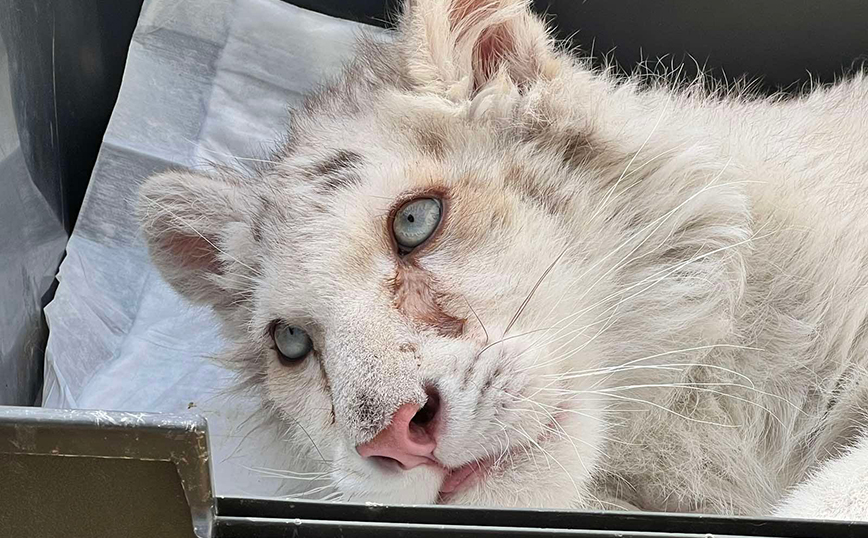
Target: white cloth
(205,80)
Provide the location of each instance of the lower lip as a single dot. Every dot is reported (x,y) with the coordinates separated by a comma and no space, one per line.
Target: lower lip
(468,474)
(463,477)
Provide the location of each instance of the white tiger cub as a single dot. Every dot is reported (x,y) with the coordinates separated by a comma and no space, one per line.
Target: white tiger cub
(482,272)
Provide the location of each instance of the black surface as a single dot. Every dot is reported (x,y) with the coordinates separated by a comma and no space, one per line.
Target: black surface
(780,44)
(316,518)
(66,60)
(784,43)
(374,12)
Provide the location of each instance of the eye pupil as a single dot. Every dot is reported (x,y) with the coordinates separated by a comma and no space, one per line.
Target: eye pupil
(411,218)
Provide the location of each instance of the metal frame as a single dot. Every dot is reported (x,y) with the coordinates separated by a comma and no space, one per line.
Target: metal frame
(183,441)
(180,439)
(265,518)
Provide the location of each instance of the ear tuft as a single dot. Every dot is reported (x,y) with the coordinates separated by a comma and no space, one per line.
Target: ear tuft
(465,44)
(186,218)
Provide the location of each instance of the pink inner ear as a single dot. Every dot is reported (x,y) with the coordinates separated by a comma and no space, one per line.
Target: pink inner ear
(193,252)
(493,44)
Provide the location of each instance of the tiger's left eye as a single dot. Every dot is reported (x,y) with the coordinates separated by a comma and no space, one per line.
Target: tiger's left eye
(416,221)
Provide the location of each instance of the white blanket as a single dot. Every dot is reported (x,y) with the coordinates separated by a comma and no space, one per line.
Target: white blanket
(206,80)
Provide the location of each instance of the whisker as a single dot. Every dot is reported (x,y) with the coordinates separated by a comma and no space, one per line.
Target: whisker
(653,226)
(632,364)
(532,291)
(612,189)
(673,412)
(231,156)
(300,425)
(479,320)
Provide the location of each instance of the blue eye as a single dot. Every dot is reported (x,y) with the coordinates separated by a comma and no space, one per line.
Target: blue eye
(416,221)
(293,343)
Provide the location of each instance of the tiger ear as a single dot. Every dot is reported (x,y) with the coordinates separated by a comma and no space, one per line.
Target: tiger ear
(458,46)
(196,232)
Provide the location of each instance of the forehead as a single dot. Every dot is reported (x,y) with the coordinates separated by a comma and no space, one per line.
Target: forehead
(387,120)
(345,213)
(357,158)
(349,168)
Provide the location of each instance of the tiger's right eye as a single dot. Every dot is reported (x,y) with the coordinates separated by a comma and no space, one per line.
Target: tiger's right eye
(292,343)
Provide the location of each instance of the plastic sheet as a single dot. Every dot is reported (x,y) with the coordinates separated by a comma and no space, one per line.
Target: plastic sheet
(206,80)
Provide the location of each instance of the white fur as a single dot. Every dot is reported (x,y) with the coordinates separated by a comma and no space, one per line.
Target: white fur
(835,491)
(683,275)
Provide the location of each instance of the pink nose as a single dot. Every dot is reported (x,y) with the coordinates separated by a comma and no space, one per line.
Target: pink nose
(408,439)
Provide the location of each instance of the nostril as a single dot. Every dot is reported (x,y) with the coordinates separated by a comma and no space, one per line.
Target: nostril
(406,442)
(428,413)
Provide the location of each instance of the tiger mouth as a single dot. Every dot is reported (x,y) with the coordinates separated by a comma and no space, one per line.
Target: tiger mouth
(462,478)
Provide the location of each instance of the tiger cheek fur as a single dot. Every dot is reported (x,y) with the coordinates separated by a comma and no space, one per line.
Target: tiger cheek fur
(598,316)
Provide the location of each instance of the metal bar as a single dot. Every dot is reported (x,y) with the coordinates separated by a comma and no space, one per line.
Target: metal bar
(245,527)
(603,521)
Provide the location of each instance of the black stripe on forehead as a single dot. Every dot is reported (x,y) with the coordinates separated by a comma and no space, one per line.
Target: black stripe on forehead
(337,171)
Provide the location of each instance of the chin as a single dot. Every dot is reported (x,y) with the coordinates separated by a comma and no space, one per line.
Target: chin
(417,487)
(524,483)
(555,471)
(519,483)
